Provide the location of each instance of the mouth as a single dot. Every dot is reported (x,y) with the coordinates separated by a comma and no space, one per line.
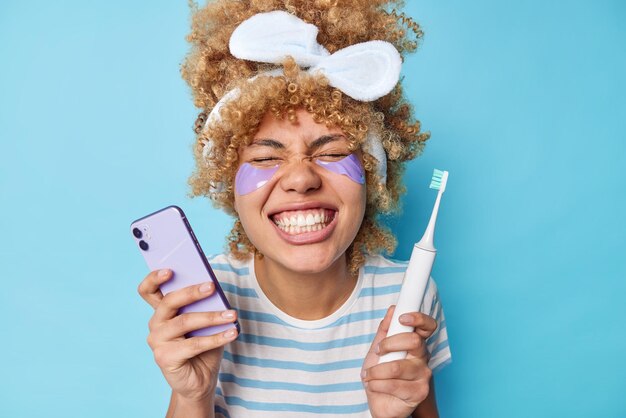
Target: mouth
(298,222)
(305,223)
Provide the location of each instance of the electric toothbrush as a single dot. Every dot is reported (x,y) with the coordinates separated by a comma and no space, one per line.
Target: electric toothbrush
(418,271)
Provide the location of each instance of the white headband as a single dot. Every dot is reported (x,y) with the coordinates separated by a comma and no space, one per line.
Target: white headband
(365,71)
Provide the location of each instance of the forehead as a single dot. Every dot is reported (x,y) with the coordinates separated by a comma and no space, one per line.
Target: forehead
(303,130)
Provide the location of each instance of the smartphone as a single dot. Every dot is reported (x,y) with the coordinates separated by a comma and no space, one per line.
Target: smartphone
(166,240)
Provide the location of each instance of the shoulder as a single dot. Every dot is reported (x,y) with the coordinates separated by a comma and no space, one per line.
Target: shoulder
(381,268)
(228,268)
(235,277)
(382,261)
(386,275)
(226,262)
(390,269)
(382,276)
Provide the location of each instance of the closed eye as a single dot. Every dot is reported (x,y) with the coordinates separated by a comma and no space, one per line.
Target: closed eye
(265,162)
(331,156)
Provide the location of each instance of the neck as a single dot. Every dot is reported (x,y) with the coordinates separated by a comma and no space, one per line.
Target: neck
(307,296)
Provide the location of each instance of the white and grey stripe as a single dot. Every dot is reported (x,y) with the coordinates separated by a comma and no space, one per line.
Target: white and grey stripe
(281,366)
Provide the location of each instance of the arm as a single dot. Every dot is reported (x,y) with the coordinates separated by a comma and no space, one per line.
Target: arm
(405,387)
(189,365)
(172,407)
(428,407)
(190,409)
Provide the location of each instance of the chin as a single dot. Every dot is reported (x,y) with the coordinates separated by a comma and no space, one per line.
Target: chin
(308,260)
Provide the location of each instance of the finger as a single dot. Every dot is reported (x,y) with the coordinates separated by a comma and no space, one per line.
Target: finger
(424,325)
(185,323)
(176,353)
(411,392)
(149,286)
(410,342)
(173,301)
(407,369)
(383,327)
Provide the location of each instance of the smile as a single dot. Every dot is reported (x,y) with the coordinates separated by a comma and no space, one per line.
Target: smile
(303,221)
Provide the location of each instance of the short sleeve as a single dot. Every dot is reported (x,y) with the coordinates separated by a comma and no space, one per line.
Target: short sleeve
(437,344)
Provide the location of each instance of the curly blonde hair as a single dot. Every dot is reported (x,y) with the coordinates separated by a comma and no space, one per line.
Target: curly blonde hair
(211,71)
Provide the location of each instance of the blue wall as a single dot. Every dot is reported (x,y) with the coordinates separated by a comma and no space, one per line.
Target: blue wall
(525,102)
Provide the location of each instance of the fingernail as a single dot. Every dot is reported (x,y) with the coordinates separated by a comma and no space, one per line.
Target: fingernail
(363,374)
(228,314)
(405,318)
(206,287)
(229,334)
(163,273)
(377,349)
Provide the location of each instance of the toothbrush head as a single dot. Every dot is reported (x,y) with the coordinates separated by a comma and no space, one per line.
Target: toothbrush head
(439,180)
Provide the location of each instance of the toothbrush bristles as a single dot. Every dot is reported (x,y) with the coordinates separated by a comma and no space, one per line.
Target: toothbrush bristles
(438,181)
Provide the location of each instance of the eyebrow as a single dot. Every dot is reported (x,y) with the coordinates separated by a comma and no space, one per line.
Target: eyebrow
(319,142)
(325,139)
(268,142)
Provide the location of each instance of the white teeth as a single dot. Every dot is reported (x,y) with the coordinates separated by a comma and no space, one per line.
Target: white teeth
(297,229)
(298,223)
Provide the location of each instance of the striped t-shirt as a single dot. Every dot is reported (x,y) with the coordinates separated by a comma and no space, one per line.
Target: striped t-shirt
(280,366)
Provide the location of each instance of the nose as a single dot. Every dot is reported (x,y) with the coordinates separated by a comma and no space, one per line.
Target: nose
(301,177)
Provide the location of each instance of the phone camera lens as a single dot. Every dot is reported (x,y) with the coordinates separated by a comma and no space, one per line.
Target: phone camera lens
(143,245)
(137,233)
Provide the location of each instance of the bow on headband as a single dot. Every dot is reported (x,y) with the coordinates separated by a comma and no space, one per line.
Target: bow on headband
(365,71)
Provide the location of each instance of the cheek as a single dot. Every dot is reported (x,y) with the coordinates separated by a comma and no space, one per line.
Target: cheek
(350,167)
(247,208)
(248,216)
(249,178)
(362,199)
(250,208)
(358,199)
(352,195)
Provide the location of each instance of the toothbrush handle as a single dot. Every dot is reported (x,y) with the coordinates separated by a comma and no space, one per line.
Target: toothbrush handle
(411,295)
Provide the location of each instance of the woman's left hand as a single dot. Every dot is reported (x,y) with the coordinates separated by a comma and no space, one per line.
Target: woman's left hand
(395,389)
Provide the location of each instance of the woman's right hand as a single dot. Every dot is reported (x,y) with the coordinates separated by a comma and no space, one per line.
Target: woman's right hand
(190,365)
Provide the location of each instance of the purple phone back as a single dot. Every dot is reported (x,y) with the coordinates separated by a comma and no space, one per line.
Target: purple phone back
(172,245)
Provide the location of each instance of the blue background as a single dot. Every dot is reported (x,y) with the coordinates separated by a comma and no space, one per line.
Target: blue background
(525,102)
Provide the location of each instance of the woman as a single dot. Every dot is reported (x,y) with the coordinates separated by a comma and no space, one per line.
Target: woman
(303,144)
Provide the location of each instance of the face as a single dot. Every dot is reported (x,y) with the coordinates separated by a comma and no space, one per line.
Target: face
(299,187)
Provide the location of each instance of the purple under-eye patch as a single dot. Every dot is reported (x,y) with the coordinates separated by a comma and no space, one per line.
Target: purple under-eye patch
(250,178)
(349,166)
